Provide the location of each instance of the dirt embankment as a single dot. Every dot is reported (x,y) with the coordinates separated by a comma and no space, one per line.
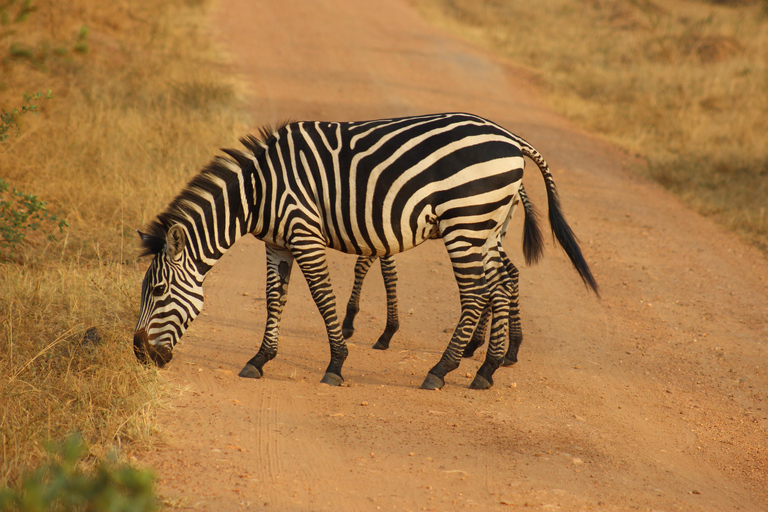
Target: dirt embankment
(651,398)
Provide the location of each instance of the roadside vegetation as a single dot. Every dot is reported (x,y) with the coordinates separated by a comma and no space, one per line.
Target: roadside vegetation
(681,83)
(137,104)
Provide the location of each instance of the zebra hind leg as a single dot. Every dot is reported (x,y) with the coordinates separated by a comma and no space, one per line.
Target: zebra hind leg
(499,283)
(478,336)
(473,291)
(389,273)
(362,266)
(279,264)
(515,325)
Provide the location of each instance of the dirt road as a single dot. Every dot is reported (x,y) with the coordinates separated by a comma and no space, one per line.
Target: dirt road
(653,398)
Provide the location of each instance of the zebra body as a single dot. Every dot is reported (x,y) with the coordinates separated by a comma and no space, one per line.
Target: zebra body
(533,249)
(372,188)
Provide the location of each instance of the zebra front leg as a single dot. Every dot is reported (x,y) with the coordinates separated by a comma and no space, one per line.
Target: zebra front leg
(279,264)
(362,266)
(314,265)
(389,273)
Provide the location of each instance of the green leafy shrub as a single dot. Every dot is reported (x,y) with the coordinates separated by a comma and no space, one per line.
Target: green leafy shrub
(21,213)
(10,119)
(63,484)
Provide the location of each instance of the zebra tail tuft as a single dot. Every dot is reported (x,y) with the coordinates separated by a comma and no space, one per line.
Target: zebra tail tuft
(533,238)
(560,228)
(568,241)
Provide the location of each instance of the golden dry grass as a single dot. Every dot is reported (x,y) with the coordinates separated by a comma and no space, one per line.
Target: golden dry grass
(681,83)
(132,118)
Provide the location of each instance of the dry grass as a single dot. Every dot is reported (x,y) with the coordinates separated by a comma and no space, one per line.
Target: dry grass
(132,118)
(682,83)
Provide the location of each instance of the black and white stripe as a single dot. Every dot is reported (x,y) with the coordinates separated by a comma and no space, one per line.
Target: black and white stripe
(533,248)
(373,188)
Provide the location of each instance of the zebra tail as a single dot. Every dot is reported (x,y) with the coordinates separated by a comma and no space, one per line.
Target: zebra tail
(560,228)
(533,239)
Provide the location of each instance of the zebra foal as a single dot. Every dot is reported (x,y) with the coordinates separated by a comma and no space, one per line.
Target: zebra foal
(373,188)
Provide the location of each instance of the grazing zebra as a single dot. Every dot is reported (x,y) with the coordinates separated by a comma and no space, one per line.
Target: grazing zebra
(373,188)
(533,248)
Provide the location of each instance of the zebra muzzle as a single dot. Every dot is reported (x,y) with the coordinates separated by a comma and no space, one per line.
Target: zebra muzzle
(145,351)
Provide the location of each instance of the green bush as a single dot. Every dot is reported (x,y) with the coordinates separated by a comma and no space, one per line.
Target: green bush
(62,484)
(21,213)
(10,119)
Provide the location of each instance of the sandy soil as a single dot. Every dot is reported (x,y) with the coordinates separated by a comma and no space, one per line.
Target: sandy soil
(652,398)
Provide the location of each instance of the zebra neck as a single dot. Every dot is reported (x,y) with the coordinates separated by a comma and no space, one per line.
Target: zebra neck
(216,219)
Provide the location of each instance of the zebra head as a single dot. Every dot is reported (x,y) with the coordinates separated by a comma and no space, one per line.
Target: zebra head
(171,296)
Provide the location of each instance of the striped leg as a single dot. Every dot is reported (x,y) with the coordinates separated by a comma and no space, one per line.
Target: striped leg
(499,282)
(474,296)
(314,265)
(389,273)
(279,264)
(478,337)
(515,325)
(362,266)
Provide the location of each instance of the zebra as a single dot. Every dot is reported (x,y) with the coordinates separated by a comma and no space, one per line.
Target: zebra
(371,188)
(533,249)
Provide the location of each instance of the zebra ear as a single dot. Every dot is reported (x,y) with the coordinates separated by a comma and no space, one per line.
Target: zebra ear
(175,241)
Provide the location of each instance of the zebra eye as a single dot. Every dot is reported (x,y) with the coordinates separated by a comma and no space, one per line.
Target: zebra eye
(158,290)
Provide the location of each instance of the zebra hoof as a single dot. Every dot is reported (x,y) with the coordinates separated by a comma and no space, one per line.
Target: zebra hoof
(480,382)
(250,372)
(347,332)
(432,382)
(383,342)
(379,345)
(508,362)
(332,379)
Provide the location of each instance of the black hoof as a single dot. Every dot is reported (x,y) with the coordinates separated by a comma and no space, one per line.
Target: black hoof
(384,339)
(348,326)
(250,372)
(332,379)
(480,382)
(432,382)
(508,362)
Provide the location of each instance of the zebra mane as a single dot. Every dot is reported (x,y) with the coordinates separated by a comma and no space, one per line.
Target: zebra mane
(152,239)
